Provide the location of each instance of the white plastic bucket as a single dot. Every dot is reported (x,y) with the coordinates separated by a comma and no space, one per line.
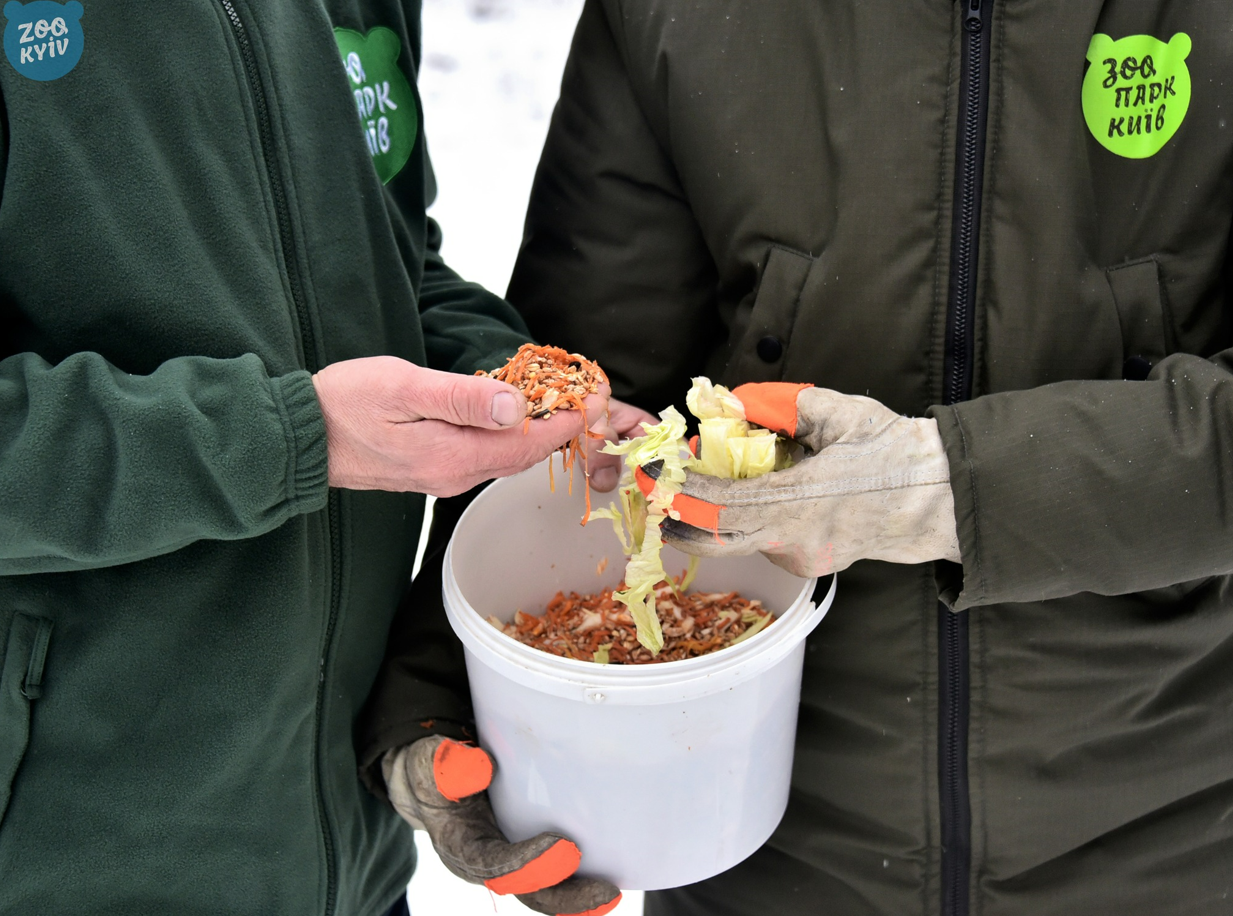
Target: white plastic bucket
(662,774)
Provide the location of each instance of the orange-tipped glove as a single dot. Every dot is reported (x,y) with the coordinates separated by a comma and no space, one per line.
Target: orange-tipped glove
(872,485)
(437,785)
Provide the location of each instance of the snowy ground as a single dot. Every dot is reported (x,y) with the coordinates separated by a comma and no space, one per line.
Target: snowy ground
(491,74)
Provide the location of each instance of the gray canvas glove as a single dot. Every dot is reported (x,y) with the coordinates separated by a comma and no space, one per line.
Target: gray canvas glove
(438,785)
(872,485)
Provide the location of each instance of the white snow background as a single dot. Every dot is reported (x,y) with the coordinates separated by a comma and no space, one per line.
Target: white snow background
(490,76)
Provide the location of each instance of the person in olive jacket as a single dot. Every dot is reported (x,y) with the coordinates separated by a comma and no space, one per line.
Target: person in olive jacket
(994,235)
(223,315)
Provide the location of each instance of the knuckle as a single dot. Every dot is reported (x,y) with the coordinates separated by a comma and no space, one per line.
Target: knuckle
(461,403)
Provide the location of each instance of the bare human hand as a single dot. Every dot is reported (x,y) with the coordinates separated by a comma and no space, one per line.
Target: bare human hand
(393,425)
(623,422)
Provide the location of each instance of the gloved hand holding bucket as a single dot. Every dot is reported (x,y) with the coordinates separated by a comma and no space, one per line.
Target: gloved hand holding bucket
(438,785)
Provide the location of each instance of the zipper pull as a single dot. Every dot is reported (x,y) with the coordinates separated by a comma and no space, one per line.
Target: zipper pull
(972,21)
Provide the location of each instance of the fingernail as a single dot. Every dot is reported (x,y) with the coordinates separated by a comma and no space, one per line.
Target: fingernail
(505,409)
(604,479)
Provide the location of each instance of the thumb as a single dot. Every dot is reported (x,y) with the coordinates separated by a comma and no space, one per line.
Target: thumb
(466,400)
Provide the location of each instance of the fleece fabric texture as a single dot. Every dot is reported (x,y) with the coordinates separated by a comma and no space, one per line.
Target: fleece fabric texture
(194,218)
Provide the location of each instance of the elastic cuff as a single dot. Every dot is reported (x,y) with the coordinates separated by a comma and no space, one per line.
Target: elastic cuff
(304,424)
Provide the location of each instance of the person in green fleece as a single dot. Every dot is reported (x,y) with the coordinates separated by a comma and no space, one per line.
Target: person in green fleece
(994,236)
(232,362)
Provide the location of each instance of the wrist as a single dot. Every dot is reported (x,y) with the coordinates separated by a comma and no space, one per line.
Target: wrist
(299,407)
(936,535)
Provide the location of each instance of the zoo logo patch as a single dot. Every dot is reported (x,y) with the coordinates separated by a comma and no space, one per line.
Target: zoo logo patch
(1136,92)
(383,96)
(43,39)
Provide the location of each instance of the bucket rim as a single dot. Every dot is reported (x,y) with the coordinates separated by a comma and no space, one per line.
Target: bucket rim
(695,676)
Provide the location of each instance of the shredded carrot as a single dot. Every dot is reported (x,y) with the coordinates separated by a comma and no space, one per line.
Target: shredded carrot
(553,379)
(578,626)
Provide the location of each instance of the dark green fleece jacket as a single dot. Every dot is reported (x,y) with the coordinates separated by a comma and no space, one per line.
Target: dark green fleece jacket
(202,203)
(1022,202)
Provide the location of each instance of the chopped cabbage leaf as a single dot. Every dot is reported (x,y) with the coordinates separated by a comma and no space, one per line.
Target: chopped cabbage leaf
(643,572)
(687,578)
(713,436)
(755,628)
(752,457)
(706,401)
(664,442)
(691,573)
(728,448)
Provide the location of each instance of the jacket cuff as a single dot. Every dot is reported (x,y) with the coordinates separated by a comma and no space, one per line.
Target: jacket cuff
(388,736)
(960,586)
(304,428)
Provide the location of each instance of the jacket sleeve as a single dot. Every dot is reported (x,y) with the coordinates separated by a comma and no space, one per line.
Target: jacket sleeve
(613,263)
(466,328)
(1109,487)
(99,468)
(421,688)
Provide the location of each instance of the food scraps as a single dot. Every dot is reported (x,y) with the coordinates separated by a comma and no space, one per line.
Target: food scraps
(553,379)
(599,628)
(550,378)
(728,446)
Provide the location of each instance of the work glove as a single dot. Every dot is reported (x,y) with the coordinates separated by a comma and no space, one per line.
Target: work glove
(872,485)
(437,785)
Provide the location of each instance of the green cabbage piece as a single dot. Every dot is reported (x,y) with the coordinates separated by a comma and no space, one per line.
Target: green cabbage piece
(706,401)
(687,578)
(757,627)
(714,434)
(752,456)
(642,573)
(729,448)
(664,442)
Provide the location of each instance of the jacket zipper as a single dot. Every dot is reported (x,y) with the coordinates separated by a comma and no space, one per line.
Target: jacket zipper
(953,679)
(282,213)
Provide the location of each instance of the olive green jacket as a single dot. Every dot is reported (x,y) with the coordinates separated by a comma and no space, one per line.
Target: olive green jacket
(761,191)
(191,221)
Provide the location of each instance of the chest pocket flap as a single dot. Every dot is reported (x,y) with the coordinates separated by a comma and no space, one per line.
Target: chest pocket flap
(1141,310)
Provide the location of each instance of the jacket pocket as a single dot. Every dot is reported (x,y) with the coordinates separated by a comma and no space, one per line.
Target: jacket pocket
(21,683)
(1146,333)
(761,336)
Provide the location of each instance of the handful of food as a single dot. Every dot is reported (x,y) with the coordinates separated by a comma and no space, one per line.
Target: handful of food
(550,378)
(553,379)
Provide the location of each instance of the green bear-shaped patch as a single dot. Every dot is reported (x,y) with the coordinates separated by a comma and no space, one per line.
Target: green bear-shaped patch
(384,98)
(1136,92)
